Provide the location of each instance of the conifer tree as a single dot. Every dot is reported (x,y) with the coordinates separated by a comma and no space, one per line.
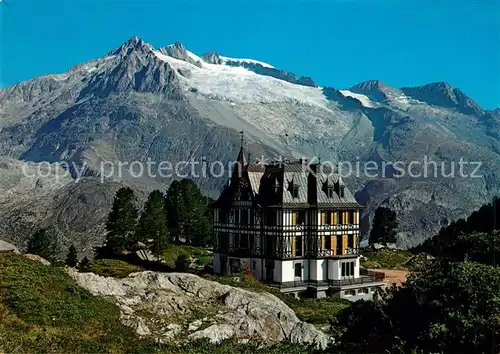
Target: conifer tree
(153,222)
(188,214)
(174,210)
(383,227)
(72,257)
(121,225)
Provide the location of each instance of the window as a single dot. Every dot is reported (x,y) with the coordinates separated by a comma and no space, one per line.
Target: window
(373,290)
(254,265)
(328,242)
(295,192)
(270,217)
(350,241)
(347,269)
(350,292)
(342,192)
(351,217)
(223,241)
(222,215)
(365,290)
(297,251)
(244,217)
(298,270)
(244,241)
(237,216)
(301,217)
(330,191)
(331,217)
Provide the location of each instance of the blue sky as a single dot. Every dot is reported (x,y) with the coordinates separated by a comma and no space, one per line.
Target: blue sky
(337,42)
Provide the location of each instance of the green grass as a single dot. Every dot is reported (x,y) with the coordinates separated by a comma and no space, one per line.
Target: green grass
(199,256)
(113,268)
(228,347)
(42,310)
(386,259)
(315,311)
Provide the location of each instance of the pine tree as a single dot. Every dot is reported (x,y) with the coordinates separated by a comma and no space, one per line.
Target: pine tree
(121,225)
(44,244)
(153,222)
(383,227)
(188,214)
(174,209)
(72,257)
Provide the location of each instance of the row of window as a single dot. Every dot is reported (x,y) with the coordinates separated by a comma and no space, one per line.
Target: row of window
(330,190)
(328,217)
(347,269)
(295,244)
(363,291)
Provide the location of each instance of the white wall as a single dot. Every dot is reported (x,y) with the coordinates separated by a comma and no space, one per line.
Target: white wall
(286,270)
(335,268)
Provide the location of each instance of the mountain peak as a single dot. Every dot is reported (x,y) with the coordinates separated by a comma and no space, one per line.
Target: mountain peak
(212,58)
(443,94)
(375,90)
(178,51)
(132,44)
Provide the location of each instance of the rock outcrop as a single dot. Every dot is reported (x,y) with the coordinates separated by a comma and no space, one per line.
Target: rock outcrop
(8,247)
(178,306)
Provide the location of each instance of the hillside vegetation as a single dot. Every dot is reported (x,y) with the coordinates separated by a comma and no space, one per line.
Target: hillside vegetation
(42,310)
(386,258)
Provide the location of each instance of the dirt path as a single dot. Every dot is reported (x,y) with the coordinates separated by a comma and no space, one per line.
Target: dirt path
(393,276)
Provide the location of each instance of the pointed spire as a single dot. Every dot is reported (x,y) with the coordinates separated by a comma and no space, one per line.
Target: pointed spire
(242,160)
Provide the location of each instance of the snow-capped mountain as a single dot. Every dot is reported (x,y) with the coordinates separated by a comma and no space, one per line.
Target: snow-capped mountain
(169,104)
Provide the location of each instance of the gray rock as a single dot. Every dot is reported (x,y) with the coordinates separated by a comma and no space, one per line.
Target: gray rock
(37,258)
(193,326)
(236,313)
(8,247)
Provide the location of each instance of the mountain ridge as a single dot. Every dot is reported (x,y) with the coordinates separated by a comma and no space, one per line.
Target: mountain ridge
(169,104)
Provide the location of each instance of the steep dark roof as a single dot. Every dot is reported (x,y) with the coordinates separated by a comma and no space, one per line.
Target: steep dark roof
(291,185)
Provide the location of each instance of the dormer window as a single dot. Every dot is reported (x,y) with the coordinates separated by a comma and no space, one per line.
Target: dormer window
(328,189)
(293,189)
(342,192)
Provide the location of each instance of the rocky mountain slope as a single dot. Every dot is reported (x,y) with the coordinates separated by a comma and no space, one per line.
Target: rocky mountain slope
(178,306)
(169,104)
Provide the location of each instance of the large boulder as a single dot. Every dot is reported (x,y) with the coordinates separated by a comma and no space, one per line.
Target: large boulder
(203,308)
(8,247)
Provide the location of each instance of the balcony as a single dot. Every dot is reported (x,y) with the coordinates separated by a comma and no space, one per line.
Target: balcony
(338,227)
(330,283)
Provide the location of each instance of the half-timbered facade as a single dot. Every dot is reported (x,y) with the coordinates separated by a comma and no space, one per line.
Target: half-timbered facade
(291,224)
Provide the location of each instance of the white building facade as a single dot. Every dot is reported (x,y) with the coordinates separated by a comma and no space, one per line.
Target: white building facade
(294,226)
